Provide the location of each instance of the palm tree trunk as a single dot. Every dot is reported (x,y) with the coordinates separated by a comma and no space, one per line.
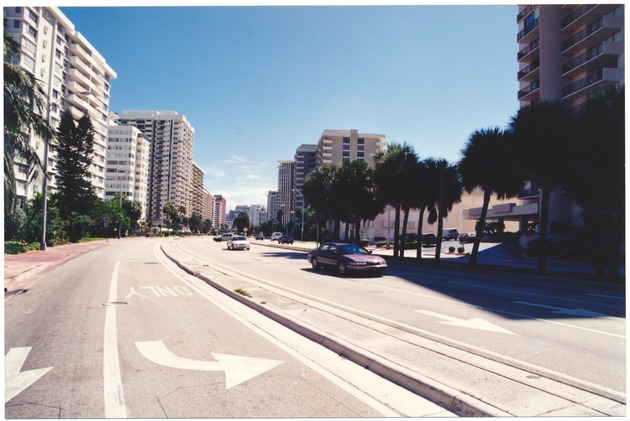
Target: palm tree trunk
(438,247)
(396,230)
(404,231)
(544,229)
(479,228)
(420,221)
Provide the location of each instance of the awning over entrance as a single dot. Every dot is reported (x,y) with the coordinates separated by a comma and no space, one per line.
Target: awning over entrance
(507,211)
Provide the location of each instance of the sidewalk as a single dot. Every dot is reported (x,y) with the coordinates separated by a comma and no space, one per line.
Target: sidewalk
(24,269)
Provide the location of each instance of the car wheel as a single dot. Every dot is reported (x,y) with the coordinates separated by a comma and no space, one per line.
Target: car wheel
(342,268)
(315,264)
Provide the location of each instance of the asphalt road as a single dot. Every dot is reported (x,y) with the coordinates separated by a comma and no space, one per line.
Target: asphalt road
(567,330)
(121,332)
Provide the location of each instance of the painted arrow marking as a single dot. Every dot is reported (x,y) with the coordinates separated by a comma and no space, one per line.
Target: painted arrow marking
(16,381)
(475,323)
(237,369)
(577,312)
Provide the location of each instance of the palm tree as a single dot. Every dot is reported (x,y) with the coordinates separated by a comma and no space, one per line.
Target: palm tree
(445,192)
(393,176)
(596,180)
(25,107)
(544,132)
(317,192)
(421,199)
(487,163)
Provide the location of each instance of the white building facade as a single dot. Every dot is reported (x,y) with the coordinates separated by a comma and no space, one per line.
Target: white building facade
(128,164)
(73,76)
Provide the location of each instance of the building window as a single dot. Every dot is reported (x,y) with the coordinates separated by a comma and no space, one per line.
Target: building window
(31,31)
(32,16)
(16,24)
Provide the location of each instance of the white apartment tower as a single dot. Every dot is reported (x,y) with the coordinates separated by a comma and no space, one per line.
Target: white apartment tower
(73,76)
(128,159)
(305,161)
(171,178)
(272,205)
(220,205)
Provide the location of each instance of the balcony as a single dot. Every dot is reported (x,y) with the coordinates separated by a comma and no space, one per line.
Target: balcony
(531,48)
(596,32)
(524,12)
(604,53)
(530,92)
(530,72)
(584,14)
(596,81)
(529,34)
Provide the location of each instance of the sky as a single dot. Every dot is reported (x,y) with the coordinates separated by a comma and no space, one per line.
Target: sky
(256,82)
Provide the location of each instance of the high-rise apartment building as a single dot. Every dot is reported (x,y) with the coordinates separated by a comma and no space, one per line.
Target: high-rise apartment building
(285,191)
(171,178)
(220,205)
(336,146)
(305,162)
(272,205)
(73,76)
(567,53)
(197,190)
(208,206)
(128,163)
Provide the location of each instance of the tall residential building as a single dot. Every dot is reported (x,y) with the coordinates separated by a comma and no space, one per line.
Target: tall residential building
(285,190)
(305,161)
(73,76)
(272,205)
(197,190)
(171,178)
(336,146)
(128,159)
(208,206)
(567,52)
(220,205)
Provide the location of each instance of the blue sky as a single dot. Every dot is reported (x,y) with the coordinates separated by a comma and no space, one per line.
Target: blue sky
(256,82)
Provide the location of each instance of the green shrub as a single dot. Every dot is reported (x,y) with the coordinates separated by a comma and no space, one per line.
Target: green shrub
(17,247)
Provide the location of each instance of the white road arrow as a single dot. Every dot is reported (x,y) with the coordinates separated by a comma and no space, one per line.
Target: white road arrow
(237,369)
(14,380)
(577,312)
(475,323)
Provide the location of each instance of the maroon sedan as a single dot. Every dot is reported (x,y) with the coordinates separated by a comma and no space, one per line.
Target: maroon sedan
(346,257)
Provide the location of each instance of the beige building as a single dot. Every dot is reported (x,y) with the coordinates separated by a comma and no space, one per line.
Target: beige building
(197,190)
(336,146)
(73,76)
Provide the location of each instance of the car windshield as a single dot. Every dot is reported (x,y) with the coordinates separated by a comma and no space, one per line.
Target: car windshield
(351,249)
(238,238)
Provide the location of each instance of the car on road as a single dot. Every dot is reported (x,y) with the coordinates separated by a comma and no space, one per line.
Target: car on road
(260,236)
(238,242)
(285,239)
(345,257)
(276,236)
(217,238)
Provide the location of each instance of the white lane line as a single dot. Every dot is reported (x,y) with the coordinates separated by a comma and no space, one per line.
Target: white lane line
(112,382)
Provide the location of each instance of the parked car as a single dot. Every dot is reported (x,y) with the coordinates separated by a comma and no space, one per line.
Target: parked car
(346,257)
(467,237)
(429,240)
(276,236)
(450,234)
(285,239)
(238,242)
(379,241)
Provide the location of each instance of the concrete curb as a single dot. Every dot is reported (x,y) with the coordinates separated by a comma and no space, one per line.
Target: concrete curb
(449,398)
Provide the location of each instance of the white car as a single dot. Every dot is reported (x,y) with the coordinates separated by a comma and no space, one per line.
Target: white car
(238,242)
(276,236)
